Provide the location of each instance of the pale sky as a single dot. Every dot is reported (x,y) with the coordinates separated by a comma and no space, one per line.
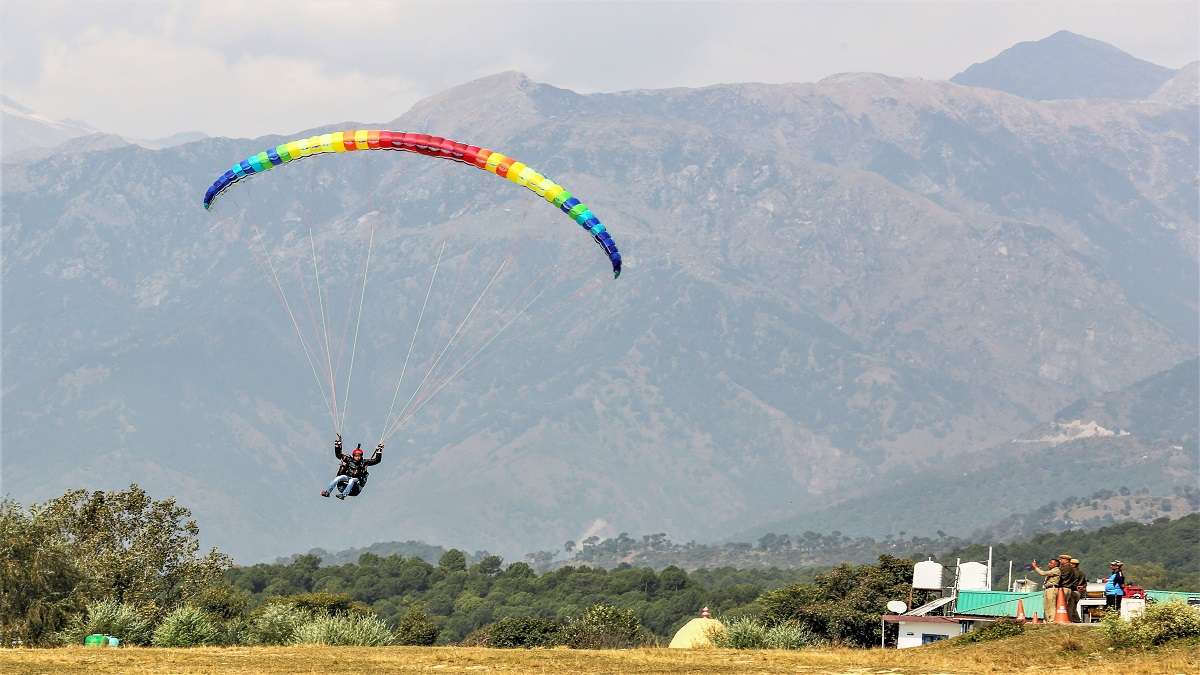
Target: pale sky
(150,69)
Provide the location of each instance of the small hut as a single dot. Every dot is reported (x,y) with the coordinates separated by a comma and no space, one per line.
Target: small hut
(695,633)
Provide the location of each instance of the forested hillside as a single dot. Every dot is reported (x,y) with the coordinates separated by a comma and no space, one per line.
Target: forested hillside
(1164,555)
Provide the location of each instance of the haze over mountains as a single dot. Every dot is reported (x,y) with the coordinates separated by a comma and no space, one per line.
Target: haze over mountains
(833,291)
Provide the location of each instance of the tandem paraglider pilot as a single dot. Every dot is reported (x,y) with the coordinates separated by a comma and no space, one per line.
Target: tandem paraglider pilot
(352,474)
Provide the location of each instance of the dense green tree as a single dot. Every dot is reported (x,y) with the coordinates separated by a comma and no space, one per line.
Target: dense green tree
(453,561)
(844,604)
(135,549)
(40,580)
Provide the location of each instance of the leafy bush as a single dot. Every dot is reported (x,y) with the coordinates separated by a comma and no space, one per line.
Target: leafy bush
(997,630)
(324,604)
(416,628)
(276,624)
(221,601)
(1159,624)
(187,627)
(792,635)
(354,630)
(740,633)
(603,626)
(511,632)
(131,624)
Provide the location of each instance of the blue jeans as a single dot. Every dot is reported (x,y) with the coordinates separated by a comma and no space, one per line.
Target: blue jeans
(344,484)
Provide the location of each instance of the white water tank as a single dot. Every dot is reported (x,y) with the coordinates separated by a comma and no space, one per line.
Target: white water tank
(927,576)
(972,576)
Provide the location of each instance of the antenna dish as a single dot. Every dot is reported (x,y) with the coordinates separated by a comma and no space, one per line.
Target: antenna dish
(897,606)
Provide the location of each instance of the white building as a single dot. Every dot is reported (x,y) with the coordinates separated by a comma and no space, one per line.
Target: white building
(922,630)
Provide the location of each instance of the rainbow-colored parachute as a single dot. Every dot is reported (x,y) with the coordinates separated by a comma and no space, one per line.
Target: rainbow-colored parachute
(433,146)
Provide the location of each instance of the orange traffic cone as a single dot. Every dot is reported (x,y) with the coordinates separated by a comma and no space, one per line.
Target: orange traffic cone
(1060,608)
(1020,610)
(1035,619)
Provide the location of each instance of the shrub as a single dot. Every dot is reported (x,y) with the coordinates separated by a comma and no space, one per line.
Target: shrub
(792,635)
(221,601)
(355,630)
(326,604)
(603,626)
(740,633)
(1159,624)
(129,623)
(512,632)
(416,628)
(276,624)
(997,630)
(480,637)
(187,627)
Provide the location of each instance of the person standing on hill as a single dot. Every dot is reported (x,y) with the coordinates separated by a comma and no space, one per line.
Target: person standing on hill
(1070,580)
(1049,587)
(1114,587)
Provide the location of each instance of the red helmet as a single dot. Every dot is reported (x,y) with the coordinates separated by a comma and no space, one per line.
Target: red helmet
(358,451)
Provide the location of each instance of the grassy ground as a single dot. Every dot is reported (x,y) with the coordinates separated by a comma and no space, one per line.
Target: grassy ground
(1053,649)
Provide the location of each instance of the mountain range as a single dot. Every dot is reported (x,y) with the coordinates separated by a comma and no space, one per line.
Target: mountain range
(833,290)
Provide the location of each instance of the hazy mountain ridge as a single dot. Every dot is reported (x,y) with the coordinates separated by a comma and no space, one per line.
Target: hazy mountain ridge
(30,136)
(798,315)
(1070,457)
(1066,65)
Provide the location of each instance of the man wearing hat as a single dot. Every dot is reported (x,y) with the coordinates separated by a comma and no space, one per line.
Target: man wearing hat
(1075,592)
(1049,587)
(1067,581)
(1114,587)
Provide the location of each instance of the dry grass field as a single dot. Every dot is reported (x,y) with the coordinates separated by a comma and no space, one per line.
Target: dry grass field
(1043,650)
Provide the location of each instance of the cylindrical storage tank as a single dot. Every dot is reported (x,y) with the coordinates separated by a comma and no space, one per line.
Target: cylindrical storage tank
(972,576)
(927,576)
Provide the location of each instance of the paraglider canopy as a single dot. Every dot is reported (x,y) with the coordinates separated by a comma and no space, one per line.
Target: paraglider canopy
(431,146)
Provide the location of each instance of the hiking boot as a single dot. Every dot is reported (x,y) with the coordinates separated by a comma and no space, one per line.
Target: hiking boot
(341,496)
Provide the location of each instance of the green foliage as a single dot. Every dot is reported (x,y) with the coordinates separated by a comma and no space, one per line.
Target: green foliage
(276,624)
(489,565)
(41,584)
(416,628)
(792,635)
(1159,624)
(745,632)
(603,626)
(222,601)
(134,626)
(187,626)
(352,630)
(1164,550)
(844,604)
(323,604)
(740,633)
(134,549)
(461,602)
(997,630)
(453,561)
(524,631)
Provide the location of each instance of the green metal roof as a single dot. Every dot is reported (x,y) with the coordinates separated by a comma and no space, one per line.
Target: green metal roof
(997,603)
(1002,603)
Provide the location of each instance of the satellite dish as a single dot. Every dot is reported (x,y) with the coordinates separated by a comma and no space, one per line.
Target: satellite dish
(897,606)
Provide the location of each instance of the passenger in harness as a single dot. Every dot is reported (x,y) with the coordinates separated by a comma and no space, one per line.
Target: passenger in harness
(352,474)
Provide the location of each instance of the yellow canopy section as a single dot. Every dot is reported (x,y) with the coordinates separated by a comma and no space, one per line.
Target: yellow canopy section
(694,634)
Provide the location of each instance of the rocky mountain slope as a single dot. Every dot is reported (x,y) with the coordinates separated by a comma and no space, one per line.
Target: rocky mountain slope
(828,287)
(1142,437)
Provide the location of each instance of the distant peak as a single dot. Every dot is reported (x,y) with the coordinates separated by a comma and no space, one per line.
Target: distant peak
(1066,65)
